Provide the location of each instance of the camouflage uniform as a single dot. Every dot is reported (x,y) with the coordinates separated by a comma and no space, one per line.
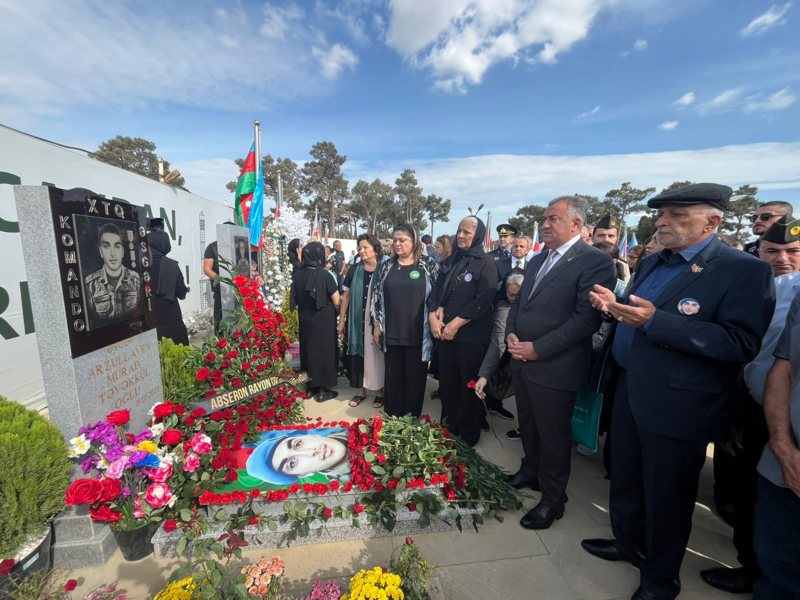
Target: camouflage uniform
(108,303)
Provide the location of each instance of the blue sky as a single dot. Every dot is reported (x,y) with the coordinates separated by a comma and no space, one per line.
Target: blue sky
(506,102)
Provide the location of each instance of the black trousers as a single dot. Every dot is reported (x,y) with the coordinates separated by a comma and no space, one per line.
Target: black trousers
(777,532)
(654,481)
(404,382)
(545,426)
(217,312)
(459,364)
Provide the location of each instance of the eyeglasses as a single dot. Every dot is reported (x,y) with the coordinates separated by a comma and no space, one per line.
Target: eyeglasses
(764,217)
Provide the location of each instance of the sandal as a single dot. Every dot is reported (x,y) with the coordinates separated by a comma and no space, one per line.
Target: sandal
(378,403)
(357,400)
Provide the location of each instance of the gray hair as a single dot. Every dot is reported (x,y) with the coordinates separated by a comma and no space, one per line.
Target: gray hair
(515,279)
(472,219)
(576,206)
(527,238)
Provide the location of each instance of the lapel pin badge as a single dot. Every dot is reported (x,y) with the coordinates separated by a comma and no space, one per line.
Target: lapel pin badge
(696,269)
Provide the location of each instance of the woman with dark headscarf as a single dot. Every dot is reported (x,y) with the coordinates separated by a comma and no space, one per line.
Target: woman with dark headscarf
(401,328)
(295,250)
(168,287)
(461,318)
(316,296)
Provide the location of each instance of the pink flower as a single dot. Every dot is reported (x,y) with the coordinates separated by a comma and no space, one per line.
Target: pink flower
(138,512)
(192,463)
(158,494)
(115,469)
(161,474)
(201,443)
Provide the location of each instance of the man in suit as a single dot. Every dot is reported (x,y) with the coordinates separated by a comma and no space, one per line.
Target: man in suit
(521,252)
(682,332)
(549,333)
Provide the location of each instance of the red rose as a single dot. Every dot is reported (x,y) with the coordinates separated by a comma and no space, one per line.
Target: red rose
(347,487)
(231,476)
(191,420)
(225,364)
(198,412)
(238,335)
(224,454)
(232,354)
(172,436)
(70,585)
(245,366)
(240,280)
(216,464)
(254,494)
(180,409)
(249,305)
(203,374)
(164,410)
(358,508)
(119,417)
(409,541)
(308,488)
(6,565)
(412,508)
(327,512)
(381,458)
(294,488)
(251,335)
(222,343)
(111,489)
(211,357)
(104,513)
(170,526)
(130,437)
(471,385)
(84,491)
(254,521)
(236,382)
(217,382)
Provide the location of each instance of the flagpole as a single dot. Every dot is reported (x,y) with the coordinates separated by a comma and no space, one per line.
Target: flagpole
(280,196)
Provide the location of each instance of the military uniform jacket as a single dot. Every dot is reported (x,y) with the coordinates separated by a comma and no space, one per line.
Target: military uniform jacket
(502,262)
(109,303)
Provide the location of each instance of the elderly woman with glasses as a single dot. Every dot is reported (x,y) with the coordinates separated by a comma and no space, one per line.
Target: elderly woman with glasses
(401,328)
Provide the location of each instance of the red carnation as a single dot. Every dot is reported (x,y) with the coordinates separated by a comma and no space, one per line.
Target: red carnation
(358,508)
(225,364)
(119,417)
(172,436)
(245,366)
(249,305)
(164,409)
(104,513)
(222,343)
(240,280)
(190,421)
(84,491)
(294,488)
(244,291)
(251,335)
(180,409)
(211,357)
(170,525)
(471,385)
(6,565)
(111,488)
(232,354)
(238,335)
(327,512)
(217,382)
(254,521)
(381,458)
(70,585)
(198,412)
(231,476)
(203,374)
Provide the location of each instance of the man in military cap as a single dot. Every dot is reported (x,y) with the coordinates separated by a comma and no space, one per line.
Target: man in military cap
(606,230)
(114,292)
(681,334)
(766,214)
(780,246)
(502,256)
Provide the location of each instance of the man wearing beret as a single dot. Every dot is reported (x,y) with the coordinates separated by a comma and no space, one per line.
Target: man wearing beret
(735,462)
(502,256)
(682,332)
(606,230)
(766,214)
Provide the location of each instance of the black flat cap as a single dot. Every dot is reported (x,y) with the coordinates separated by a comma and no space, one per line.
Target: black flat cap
(783,231)
(606,223)
(506,229)
(714,194)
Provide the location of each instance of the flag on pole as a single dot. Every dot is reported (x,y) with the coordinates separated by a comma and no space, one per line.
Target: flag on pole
(278,203)
(315,232)
(633,242)
(246,187)
(623,246)
(326,236)
(536,246)
(255,220)
(487,242)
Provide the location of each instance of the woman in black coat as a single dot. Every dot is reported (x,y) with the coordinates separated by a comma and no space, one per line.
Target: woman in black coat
(294,251)
(316,297)
(168,287)
(461,319)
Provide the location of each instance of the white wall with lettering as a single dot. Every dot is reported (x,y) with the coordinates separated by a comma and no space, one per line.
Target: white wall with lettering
(189,220)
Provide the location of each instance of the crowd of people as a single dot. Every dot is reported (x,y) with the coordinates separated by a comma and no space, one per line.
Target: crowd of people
(690,339)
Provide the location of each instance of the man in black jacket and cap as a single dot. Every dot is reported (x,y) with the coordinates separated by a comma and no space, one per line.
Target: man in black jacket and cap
(502,256)
(606,230)
(682,332)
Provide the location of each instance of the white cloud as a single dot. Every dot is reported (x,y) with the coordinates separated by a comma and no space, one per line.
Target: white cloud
(207,178)
(685,100)
(346,14)
(120,57)
(594,111)
(771,18)
(459,40)
(640,45)
(277,20)
(777,101)
(668,125)
(333,60)
(625,53)
(724,99)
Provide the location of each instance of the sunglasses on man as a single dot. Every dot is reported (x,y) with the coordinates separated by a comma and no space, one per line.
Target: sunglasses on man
(764,217)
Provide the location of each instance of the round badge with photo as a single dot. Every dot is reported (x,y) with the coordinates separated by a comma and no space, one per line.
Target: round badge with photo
(688,307)
(468,277)
(413,275)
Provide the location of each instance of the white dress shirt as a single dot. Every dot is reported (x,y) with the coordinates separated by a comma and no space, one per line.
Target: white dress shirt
(527,258)
(560,251)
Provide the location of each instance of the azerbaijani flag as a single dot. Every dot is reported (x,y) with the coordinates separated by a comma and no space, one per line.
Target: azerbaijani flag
(315,232)
(633,241)
(536,246)
(623,246)
(278,204)
(250,197)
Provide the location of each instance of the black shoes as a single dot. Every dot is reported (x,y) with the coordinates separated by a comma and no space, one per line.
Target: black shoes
(513,434)
(541,517)
(607,550)
(641,594)
(519,482)
(502,413)
(733,581)
(325,395)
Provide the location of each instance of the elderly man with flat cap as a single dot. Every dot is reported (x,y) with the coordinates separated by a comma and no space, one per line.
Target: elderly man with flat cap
(683,330)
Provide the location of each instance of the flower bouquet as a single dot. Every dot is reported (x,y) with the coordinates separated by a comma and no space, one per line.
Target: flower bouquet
(375,584)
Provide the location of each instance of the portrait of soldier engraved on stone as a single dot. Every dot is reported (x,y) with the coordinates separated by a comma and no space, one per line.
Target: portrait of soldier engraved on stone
(111,281)
(242,262)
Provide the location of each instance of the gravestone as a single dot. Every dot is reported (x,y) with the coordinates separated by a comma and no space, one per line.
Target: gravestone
(233,245)
(87,263)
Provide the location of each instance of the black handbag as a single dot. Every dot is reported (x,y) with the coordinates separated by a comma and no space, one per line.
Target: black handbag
(499,385)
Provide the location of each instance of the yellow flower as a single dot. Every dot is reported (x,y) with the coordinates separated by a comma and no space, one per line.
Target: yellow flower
(148,446)
(177,590)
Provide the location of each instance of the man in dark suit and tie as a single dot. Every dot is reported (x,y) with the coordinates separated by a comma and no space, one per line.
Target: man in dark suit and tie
(694,314)
(549,333)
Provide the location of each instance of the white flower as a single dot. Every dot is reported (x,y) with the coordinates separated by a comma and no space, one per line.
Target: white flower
(103,464)
(171,501)
(157,429)
(80,448)
(78,440)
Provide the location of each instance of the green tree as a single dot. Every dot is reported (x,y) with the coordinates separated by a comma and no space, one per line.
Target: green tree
(324,182)
(627,200)
(409,194)
(133,154)
(526,217)
(437,209)
(735,220)
(597,208)
(372,202)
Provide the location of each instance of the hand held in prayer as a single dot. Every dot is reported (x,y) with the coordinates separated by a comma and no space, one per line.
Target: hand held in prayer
(637,315)
(600,298)
(479,387)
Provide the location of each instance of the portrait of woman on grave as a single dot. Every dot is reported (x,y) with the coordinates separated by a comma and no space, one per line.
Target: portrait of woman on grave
(281,458)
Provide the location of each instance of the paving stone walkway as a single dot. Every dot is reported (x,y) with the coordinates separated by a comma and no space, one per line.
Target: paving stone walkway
(503,561)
